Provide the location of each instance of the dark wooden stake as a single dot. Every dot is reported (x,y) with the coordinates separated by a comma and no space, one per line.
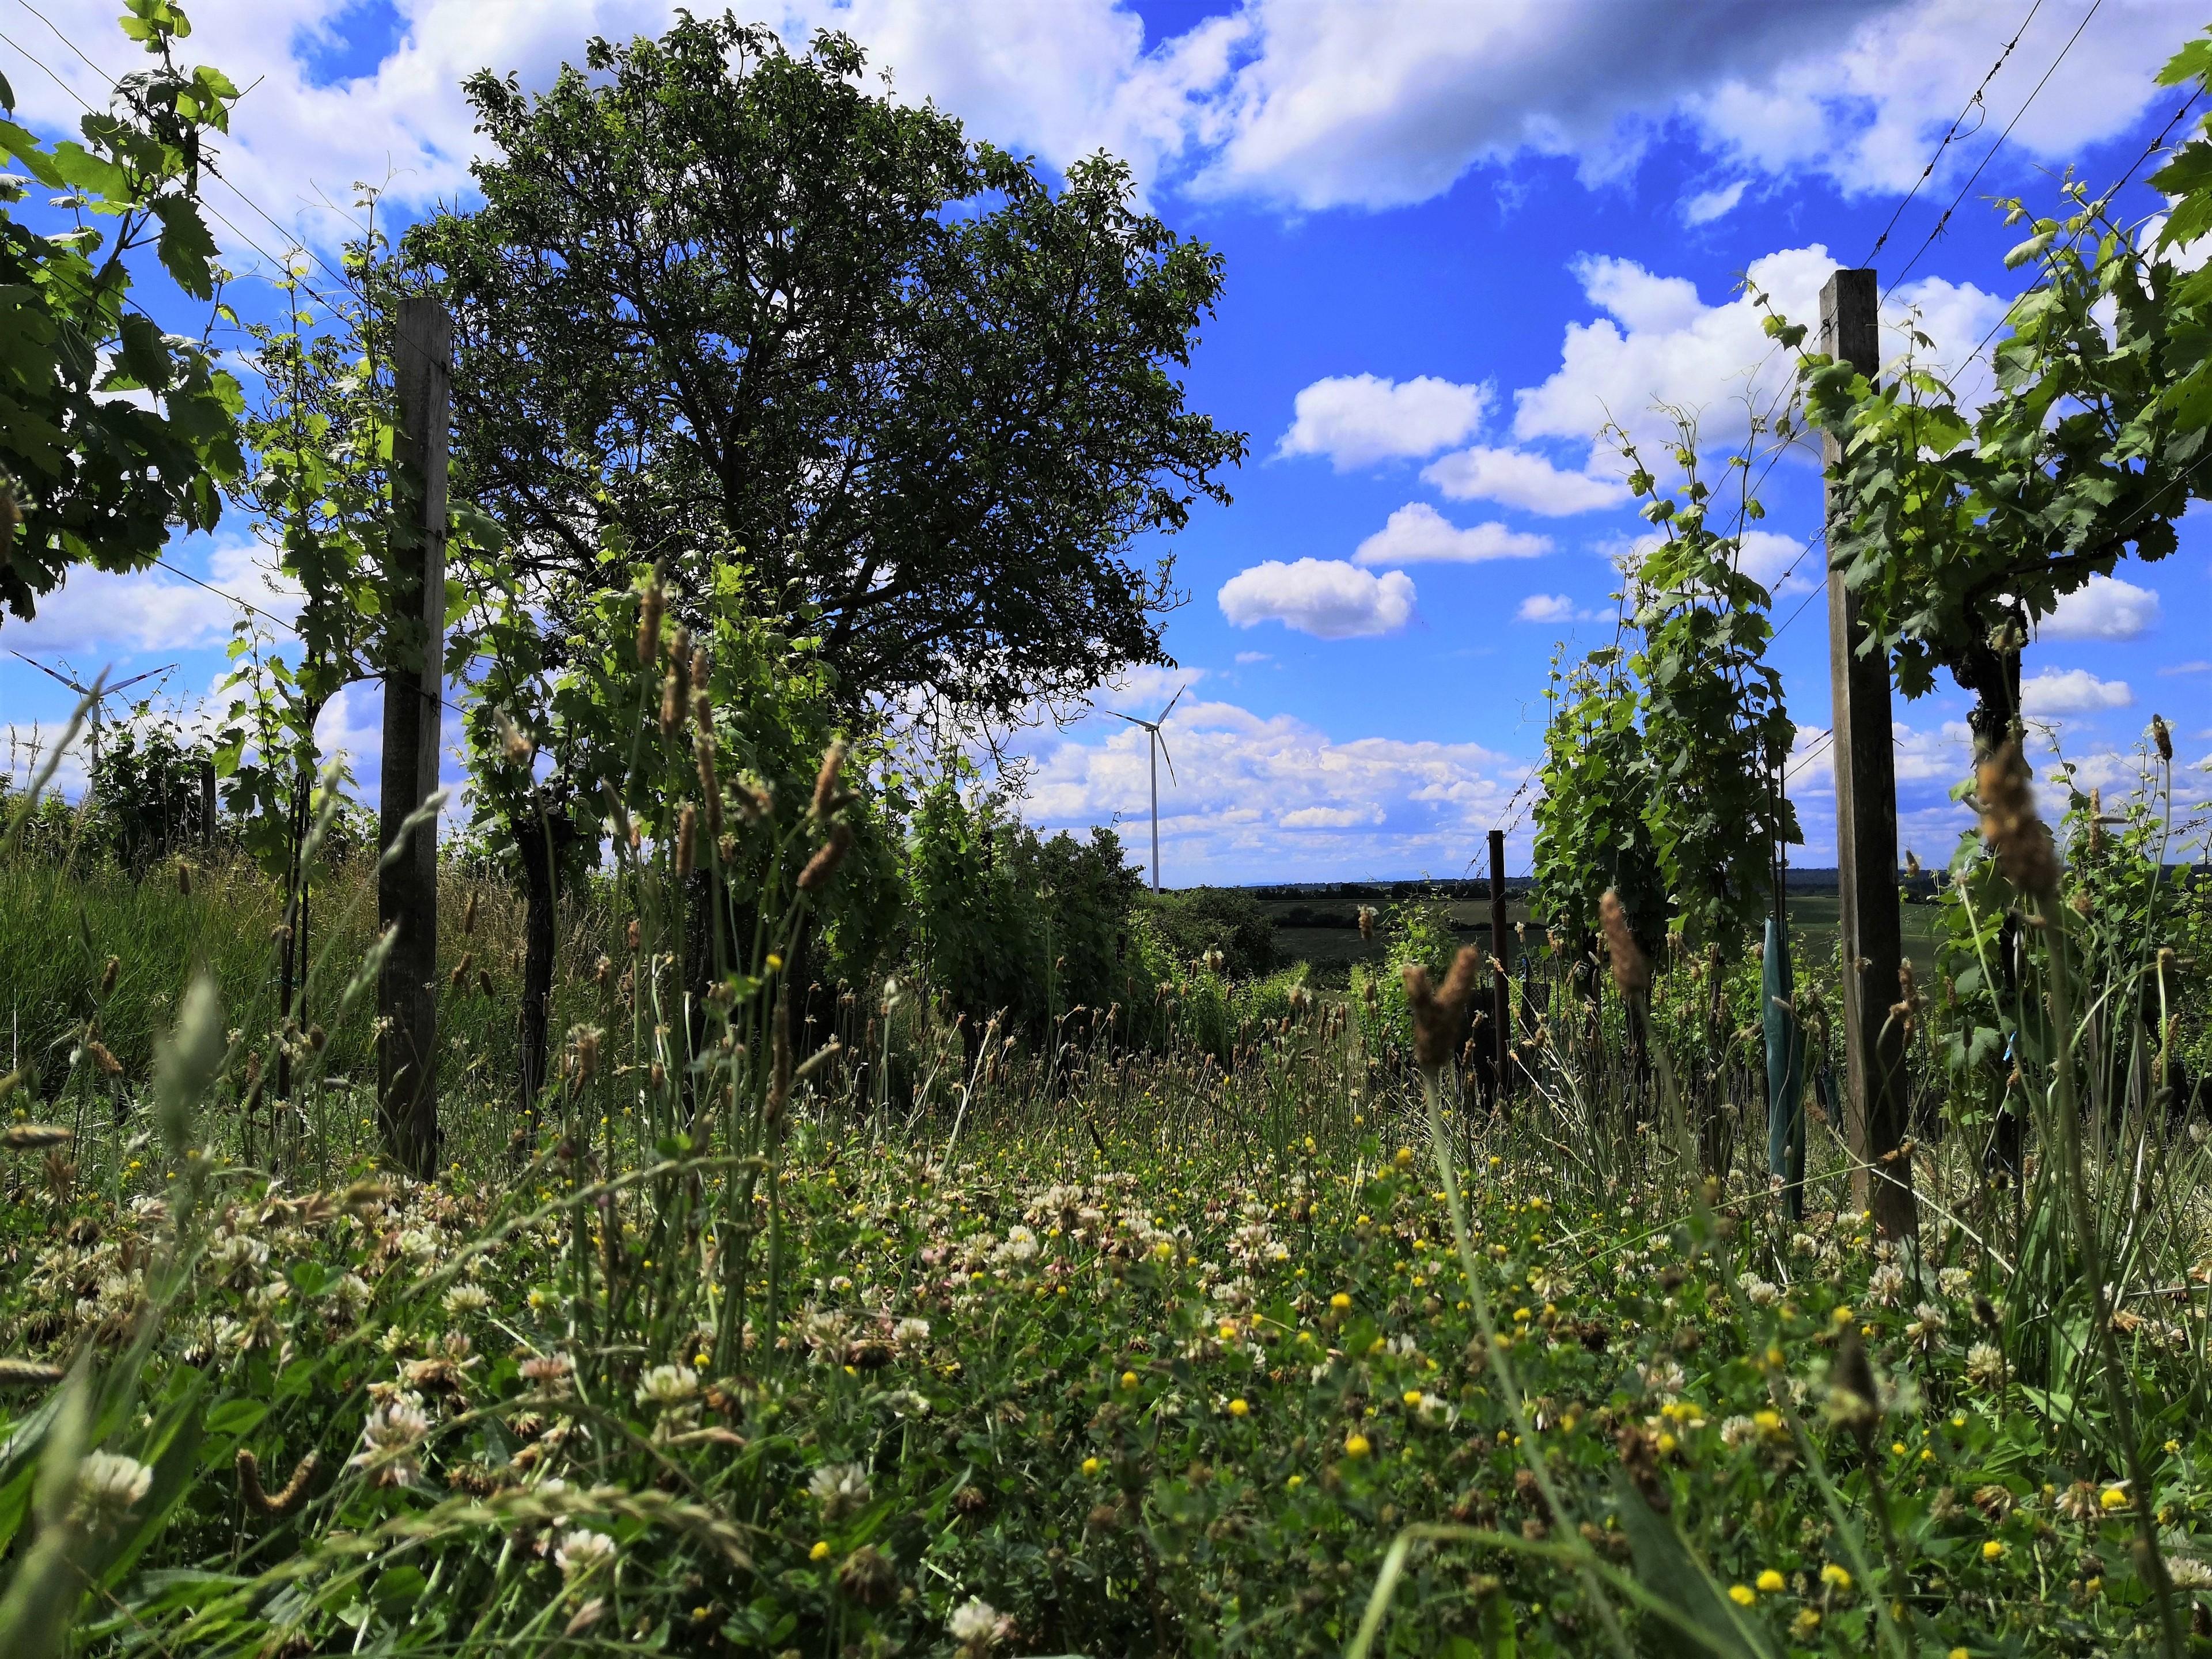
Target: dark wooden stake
(407,883)
(1866,829)
(1501,1011)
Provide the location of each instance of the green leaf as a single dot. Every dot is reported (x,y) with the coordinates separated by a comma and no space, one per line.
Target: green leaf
(1666,1566)
(188,251)
(142,353)
(80,167)
(236,1417)
(17,143)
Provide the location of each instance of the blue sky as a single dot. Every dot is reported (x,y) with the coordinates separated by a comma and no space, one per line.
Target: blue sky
(1457,237)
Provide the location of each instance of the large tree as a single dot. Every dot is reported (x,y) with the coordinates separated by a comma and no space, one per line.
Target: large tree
(721,301)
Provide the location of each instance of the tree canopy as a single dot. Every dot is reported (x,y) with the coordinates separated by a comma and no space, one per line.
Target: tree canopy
(112,430)
(722,303)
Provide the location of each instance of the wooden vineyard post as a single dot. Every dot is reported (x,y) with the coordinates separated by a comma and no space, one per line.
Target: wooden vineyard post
(407,881)
(1501,1001)
(1866,828)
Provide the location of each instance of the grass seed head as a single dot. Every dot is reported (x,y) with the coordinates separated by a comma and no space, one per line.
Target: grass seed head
(2162,735)
(827,798)
(1630,972)
(34,1137)
(648,621)
(2018,837)
(687,835)
(710,785)
(824,865)
(1437,1012)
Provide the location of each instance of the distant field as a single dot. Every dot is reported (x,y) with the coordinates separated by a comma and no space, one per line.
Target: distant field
(1325,933)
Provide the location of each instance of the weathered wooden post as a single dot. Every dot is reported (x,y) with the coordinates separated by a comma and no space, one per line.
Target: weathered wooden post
(413,663)
(1501,1010)
(1865,827)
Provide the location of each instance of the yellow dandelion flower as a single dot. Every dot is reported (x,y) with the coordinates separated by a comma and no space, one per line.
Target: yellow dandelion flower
(1355,1444)
(819,1552)
(1835,1577)
(1772,1581)
(1993,1549)
(1239,1408)
(1742,1595)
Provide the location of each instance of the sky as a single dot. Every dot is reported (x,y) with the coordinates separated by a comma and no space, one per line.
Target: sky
(1460,239)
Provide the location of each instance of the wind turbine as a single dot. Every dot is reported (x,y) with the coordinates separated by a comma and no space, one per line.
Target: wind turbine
(95,693)
(1159,747)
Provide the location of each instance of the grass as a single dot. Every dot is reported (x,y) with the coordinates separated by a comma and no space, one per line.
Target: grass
(1177,1349)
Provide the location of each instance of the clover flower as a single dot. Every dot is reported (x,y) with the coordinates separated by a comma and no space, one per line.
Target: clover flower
(1986,1365)
(978,1625)
(109,1485)
(388,1442)
(667,1386)
(465,1299)
(840,1488)
(583,1552)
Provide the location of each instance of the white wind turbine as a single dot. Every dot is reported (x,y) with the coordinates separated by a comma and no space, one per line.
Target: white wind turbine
(1159,747)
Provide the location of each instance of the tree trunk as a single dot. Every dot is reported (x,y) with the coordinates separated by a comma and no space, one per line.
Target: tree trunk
(541,840)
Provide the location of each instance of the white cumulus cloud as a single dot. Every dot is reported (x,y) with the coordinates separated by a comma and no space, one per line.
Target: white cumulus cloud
(1417,532)
(1326,598)
(152,609)
(1258,797)
(2108,608)
(1553,608)
(1708,206)
(1357,419)
(1522,478)
(1288,102)
(2072,691)
(1777,564)
(1659,343)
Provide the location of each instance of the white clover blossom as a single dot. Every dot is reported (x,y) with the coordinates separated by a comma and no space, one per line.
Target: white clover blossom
(1663,1377)
(388,1441)
(1954,1282)
(911,1333)
(666,1386)
(465,1299)
(840,1488)
(583,1550)
(1759,1293)
(1986,1365)
(976,1625)
(1886,1283)
(109,1485)
(1020,1245)
(351,1293)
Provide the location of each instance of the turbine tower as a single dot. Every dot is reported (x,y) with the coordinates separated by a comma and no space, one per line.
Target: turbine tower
(1159,747)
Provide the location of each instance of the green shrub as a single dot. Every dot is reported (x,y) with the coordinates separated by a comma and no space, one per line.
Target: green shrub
(1197,920)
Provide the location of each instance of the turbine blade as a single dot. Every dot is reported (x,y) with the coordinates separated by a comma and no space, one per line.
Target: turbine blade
(81,690)
(1175,699)
(1161,739)
(1119,715)
(135,679)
